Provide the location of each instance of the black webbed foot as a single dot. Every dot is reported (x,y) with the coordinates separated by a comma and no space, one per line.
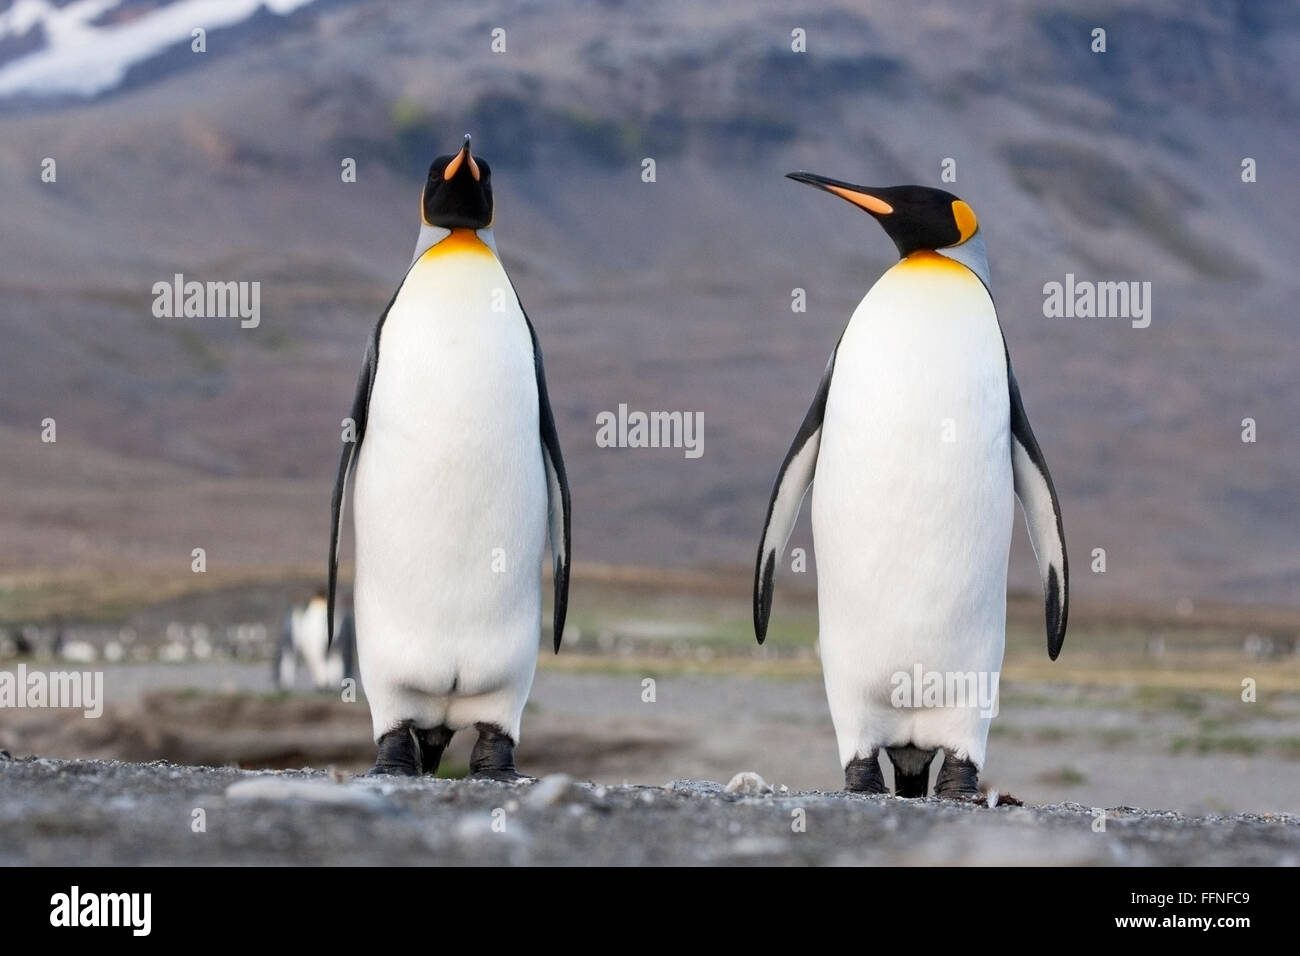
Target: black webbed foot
(862,774)
(958,779)
(398,753)
(493,757)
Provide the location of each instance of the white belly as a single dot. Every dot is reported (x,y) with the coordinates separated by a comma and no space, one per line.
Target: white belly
(450,505)
(912,506)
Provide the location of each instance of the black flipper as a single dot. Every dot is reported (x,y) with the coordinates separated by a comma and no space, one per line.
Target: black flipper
(348,457)
(1037,494)
(557,490)
(347,645)
(791,486)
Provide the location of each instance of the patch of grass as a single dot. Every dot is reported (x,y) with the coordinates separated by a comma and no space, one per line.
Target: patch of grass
(1116,737)
(1063,777)
(407,114)
(1050,734)
(1202,745)
(1026,700)
(1287,748)
(1164,698)
(1035,735)
(1218,722)
(606,141)
(414,134)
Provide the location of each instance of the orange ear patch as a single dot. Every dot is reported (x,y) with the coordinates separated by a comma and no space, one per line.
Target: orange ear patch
(964,216)
(865,200)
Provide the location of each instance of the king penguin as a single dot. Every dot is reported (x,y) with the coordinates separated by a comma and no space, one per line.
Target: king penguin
(458,480)
(303,637)
(917,439)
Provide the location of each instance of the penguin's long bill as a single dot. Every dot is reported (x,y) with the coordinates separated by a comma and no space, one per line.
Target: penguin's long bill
(858,195)
(918,440)
(459,483)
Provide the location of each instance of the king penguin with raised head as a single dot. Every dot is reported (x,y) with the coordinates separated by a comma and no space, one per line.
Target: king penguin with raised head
(917,439)
(458,478)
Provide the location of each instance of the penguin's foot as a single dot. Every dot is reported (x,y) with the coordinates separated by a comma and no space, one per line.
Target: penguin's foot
(399,753)
(862,774)
(493,756)
(432,743)
(958,779)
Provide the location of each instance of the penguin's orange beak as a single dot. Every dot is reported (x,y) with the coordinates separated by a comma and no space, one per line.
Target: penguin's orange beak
(857,195)
(463,158)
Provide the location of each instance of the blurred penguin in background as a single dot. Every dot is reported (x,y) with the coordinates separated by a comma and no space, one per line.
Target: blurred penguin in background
(305,638)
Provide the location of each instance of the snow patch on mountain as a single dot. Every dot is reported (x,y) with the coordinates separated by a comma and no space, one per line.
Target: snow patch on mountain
(86,51)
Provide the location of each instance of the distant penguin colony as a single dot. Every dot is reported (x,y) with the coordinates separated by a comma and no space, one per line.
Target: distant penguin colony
(458,480)
(917,440)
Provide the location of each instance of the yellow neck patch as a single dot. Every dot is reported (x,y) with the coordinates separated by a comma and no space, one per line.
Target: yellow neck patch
(931,261)
(459,241)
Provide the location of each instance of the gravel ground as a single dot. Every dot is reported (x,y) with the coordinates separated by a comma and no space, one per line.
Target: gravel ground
(109,812)
(1101,746)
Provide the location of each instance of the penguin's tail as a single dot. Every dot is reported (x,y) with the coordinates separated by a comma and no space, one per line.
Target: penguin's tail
(911,770)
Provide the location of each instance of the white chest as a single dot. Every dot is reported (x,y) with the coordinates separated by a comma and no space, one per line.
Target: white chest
(919,392)
(456,366)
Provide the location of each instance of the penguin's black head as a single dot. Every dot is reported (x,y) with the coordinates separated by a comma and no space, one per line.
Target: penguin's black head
(458,194)
(915,217)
